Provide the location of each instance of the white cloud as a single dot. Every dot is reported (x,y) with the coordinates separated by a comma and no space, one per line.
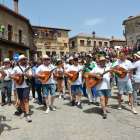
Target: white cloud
(94,21)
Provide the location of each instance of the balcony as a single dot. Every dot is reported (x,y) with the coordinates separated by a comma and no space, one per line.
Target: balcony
(46,37)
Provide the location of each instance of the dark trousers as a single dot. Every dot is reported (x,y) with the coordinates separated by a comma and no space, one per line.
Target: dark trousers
(116,79)
(66,84)
(38,89)
(6,86)
(33,86)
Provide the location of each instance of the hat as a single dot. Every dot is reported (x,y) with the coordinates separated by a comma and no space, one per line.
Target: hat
(137,54)
(102,58)
(107,57)
(59,59)
(67,60)
(45,56)
(75,58)
(71,58)
(89,55)
(21,57)
(6,60)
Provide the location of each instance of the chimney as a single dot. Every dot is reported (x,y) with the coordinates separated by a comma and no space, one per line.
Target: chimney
(112,37)
(16,5)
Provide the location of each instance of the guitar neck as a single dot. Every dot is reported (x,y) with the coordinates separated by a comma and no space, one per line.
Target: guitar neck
(129,70)
(104,73)
(50,71)
(81,69)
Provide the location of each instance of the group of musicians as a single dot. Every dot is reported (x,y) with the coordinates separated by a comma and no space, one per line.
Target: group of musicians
(103,71)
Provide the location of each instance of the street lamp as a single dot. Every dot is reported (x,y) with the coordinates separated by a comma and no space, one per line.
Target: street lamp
(45,45)
(88,42)
(69,47)
(93,33)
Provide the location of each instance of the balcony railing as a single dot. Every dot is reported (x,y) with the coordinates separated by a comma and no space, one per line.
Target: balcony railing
(46,37)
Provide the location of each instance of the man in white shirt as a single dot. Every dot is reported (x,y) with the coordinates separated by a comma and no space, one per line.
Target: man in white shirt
(77,84)
(49,84)
(6,81)
(23,89)
(136,83)
(124,83)
(103,88)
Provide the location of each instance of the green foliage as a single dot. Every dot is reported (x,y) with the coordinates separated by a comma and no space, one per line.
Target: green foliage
(98,55)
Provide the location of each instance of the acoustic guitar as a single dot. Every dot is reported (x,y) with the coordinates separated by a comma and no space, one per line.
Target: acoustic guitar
(60,73)
(48,74)
(124,72)
(91,82)
(76,73)
(20,81)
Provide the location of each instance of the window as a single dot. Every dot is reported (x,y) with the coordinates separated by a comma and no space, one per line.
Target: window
(81,42)
(94,43)
(65,44)
(137,25)
(59,44)
(20,36)
(9,32)
(89,43)
(73,43)
(39,53)
(106,44)
(100,44)
(58,34)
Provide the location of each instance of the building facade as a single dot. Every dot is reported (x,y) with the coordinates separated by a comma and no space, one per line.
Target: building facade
(17,34)
(117,42)
(80,43)
(51,41)
(132,30)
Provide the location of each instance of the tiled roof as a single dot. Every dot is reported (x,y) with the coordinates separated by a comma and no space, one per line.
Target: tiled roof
(11,12)
(86,35)
(34,26)
(114,39)
(131,18)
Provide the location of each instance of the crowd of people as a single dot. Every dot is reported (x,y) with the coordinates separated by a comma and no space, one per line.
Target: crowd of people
(49,76)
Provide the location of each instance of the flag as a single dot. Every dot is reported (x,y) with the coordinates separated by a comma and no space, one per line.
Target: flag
(54,31)
(42,30)
(36,30)
(47,31)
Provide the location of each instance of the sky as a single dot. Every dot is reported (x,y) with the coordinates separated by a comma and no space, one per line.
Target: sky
(105,17)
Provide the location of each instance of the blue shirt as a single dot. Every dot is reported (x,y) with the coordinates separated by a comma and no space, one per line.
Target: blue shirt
(36,79)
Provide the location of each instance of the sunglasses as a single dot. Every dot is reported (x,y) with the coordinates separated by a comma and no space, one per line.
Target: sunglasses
(24,59)
(46,59)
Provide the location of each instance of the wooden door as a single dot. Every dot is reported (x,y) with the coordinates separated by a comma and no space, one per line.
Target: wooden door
(10,55)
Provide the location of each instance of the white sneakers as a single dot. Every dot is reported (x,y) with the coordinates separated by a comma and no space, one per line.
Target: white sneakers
(119,107)
(130,105)
(134,111)
(47,110)
(64,96)
(60,96)
(33,100)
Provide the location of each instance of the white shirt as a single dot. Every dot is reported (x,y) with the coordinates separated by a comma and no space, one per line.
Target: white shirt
(60,69)
(126,65)
(67,65)
(137,75)
(94,63)
(78,81)
(105,84)
(8,71)
(46,68)
(108,64)
(17,70)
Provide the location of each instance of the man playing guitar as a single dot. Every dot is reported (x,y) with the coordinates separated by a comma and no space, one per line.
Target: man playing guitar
(103,88)
(77,84)
(124,83)
(23,90)
(49,84)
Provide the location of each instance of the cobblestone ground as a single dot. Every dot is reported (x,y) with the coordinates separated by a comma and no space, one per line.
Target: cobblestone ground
(71,123)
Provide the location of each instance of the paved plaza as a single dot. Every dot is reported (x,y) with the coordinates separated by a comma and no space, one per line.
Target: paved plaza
(71,123)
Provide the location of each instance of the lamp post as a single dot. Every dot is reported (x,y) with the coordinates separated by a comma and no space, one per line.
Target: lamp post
(45,45)
(93,33)
(88,42)
(69,47)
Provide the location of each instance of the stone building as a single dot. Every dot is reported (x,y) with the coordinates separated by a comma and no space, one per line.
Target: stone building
(17,36)
(117,42)
(51,41)
(79,42)
(132,29)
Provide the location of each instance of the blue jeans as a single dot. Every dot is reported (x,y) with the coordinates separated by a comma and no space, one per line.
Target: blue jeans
(116,79)
(66,80)
(104,92)
(135,88)
(38,89)
(73,89)
(46,88)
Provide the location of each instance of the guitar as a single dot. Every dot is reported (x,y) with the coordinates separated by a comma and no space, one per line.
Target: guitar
(48,74)
(20,81)
(60,73)
(76,73)
(124,71)
(91,82)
